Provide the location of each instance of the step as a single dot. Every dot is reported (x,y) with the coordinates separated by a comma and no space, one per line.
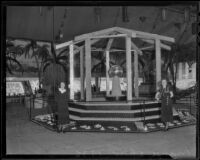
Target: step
(114,113)
(113,106)
(153,117)
(97,119)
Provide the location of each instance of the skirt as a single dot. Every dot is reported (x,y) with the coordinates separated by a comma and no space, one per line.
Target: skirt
(166,109)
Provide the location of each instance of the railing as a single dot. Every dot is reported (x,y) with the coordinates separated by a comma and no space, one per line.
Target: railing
(187,103)
(15,98)
(37,104)
(31,103)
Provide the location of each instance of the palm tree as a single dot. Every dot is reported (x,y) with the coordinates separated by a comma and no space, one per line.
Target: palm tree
(12,52)
(56,67)
(40,53)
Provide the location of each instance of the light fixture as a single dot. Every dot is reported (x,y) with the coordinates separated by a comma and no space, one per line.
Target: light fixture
(65,13)
(97,14)
(41,13)
(61,34)
(163,14)
(125,14)
(187,14)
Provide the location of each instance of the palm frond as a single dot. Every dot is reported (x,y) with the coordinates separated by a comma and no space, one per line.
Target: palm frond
(64,51)
(100,64)
(8,68)
(48,60)
(27,49)
(64,58)
(19,50)
(9,44)
(45,66)
(16,61)
(34,54)
(13,60)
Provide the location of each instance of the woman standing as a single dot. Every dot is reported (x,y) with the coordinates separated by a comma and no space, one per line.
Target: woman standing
(61,99)
(165,94)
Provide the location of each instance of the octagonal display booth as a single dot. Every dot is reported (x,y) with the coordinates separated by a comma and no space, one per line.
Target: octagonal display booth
(107,109)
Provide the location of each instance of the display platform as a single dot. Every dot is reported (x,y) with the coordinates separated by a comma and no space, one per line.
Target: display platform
(47,122)
(137,116)
(121,112)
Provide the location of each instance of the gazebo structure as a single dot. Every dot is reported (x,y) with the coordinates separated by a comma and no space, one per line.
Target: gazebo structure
(82,44)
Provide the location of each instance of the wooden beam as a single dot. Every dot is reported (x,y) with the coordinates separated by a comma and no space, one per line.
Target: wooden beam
(148,35)
(109,44)
(121,50)
(82,74)
(93,34)
(83,46)
(117,50)
(136,75)
(129,33)
(71,61)
(151,41)
(88,69)
(62,45)
(107,75)
(155,36)
(138,51)
(109,36)
(128,68)
(158,62)
(164,46)
(148,47)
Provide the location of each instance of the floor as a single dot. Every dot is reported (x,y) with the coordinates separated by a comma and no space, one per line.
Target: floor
(25,137)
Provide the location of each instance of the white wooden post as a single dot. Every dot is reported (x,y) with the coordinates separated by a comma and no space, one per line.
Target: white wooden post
(88,69)
(71,61)
(194,71)
(136,76)
(128,68)
(82,74)
(158,62)
(107,75)
(186,70)
(180,73)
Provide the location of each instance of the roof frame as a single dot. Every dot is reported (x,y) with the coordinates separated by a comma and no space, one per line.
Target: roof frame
(129,32)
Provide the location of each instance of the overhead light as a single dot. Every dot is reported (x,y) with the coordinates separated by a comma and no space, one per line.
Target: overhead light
(40,11)
(65,14)
(187,14)
(163,14)
(97,13)
(125,14)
